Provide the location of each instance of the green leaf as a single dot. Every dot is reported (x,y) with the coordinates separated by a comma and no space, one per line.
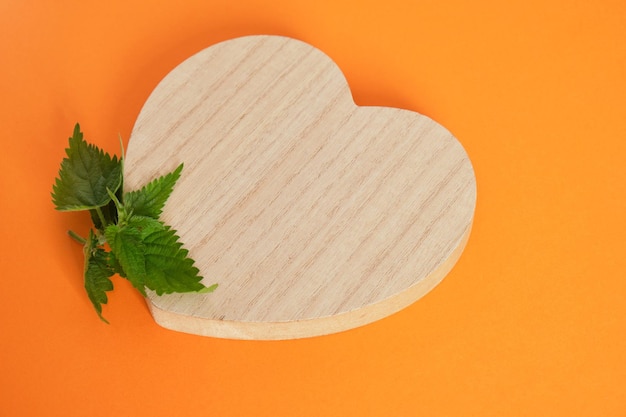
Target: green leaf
(151,255)
(150,199)
(143,249)
(169,268)
(208,289)
(85,175)
(115,265)
(128,250)
(97,273)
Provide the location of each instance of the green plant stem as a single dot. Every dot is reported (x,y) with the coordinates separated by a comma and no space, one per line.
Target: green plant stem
(77,237)
(101,217)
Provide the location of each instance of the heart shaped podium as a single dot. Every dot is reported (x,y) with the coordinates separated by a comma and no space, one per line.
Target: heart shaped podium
(314,215)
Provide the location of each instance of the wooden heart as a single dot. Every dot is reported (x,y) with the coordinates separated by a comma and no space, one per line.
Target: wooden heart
(314,215)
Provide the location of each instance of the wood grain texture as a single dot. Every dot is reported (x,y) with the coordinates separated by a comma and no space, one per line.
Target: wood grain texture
(313,215)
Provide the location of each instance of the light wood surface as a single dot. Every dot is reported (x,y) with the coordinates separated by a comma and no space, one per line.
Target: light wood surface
(313,215)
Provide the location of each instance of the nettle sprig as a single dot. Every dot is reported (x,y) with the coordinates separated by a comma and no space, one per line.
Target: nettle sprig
(141,248)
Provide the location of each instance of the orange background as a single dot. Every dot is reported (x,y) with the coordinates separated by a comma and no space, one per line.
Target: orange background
(531,321)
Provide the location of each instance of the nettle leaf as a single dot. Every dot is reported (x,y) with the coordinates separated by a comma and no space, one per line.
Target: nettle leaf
(85,175)
(150,199)
(128,251)
(151,256)
(142,248)
(115,265)
(167,264)
(97,274)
